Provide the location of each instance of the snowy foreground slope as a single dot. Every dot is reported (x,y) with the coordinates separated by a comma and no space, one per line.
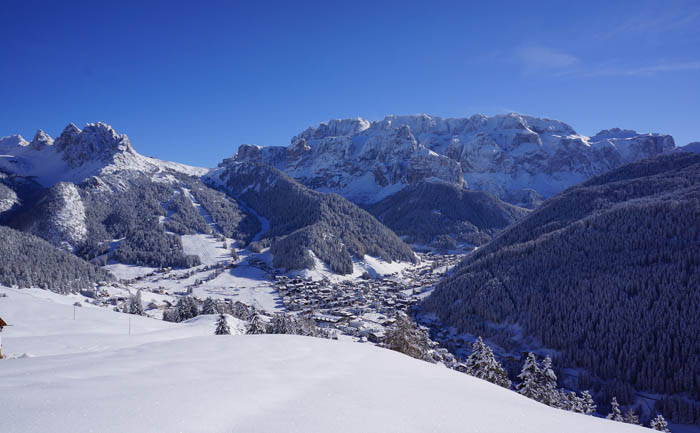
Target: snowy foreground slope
(89,375)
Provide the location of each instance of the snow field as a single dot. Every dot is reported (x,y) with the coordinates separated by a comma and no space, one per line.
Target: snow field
(180,378)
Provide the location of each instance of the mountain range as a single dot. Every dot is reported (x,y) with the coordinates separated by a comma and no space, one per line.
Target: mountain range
(432,181)
(89,192)
(519,159)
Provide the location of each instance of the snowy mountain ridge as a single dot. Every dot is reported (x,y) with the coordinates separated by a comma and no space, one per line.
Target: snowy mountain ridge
(516,158)
(509,155)
(67,174)
(78,154)
(94,195)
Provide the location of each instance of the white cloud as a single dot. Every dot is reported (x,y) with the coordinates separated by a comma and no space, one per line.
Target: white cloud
(542,59)
(654,20)
(645,70)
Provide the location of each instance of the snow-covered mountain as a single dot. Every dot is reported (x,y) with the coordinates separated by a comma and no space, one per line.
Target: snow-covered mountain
(89,192)
(514,157)
(305,225)
(79,182)
(78,154)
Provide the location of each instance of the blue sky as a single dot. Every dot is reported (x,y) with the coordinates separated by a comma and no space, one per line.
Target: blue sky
(190,81)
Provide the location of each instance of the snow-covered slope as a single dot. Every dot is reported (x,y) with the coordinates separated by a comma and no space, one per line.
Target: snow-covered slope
(8,199)
(89,375)
(43,324)
(507,155)
(59,217)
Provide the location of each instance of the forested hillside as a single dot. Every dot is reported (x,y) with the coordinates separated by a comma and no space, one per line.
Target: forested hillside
(27,261)
(230,218)
(302,220)
(133,216)
(432,211)
(606,273)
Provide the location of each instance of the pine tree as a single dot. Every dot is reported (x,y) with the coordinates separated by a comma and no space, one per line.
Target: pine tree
(282,323)
(566,400)
(239,310)
(135,305)
(209,306)
(659,424)
(172,315)
(630,417)
(222,326)
(473,359)
(405,337)
(615,413)
(571,401)
(547,382)
(588,403)
(482,363)
(528,385)
(187,308)
(495,371)
(256,325)
(306,326)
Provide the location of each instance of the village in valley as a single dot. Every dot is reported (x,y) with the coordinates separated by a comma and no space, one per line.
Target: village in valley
(365,307)
(361,307)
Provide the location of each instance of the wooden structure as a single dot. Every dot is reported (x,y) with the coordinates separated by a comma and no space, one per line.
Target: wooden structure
(2,325)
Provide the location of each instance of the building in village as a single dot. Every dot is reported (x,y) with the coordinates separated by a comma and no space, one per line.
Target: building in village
(2,325)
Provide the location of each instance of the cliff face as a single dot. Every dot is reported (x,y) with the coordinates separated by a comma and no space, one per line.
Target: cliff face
(517,158)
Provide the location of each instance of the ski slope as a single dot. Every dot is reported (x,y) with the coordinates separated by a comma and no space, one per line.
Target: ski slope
(89,375)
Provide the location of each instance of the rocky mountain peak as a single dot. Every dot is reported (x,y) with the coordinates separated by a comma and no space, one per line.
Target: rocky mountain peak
(334,128)
(13,141)
(614,133)
(41,140)
(95,142)
(249,152)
